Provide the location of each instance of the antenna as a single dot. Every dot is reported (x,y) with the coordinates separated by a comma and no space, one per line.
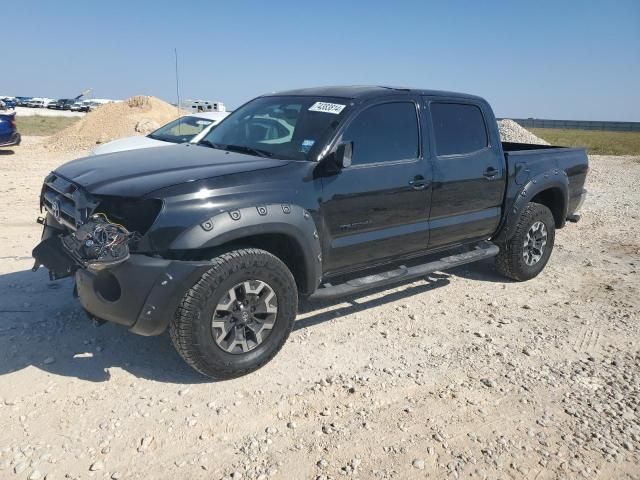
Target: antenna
(175,51)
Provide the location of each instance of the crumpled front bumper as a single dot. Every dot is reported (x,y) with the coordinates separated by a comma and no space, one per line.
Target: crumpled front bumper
(142,293)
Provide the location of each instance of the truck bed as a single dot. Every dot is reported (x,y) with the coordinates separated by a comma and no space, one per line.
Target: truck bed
(525,160)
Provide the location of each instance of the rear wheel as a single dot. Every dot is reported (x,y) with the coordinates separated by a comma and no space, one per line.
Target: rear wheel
(527,252)
(237,316)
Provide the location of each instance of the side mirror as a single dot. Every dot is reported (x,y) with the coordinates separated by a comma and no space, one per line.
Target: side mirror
(344,154)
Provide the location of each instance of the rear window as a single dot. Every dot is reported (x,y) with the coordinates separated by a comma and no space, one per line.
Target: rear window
(459,128)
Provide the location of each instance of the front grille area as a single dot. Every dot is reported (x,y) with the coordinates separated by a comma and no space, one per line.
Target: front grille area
(66,201)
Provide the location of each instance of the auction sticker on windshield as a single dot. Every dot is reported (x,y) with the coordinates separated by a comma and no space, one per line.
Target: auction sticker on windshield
(325,107)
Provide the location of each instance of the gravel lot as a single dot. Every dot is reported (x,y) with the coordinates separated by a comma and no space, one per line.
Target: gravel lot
(462,374)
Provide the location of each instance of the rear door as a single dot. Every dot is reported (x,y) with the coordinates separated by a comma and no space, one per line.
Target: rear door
(377,209)
(468,171)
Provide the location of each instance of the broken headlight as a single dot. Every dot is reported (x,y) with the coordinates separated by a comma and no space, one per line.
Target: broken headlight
(134,215)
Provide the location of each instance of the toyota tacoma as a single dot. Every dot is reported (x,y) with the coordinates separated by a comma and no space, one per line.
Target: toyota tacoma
(305,194)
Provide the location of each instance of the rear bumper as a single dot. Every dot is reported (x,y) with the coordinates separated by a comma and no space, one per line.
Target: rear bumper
(142,293)
(576,202)
(14,139)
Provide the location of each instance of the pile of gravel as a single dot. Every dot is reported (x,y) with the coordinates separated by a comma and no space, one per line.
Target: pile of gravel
(510,131)
(136,116)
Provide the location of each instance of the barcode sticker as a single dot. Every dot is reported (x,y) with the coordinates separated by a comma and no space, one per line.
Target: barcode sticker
(325,107)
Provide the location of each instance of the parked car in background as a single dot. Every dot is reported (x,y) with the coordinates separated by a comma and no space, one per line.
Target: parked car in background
(9,102)
(61,104)
(65,103)
(76,106)
(190,128)
(36,103)
(83,106)
(9,135)
(23,101)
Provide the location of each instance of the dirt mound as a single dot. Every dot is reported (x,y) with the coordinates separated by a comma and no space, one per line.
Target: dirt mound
(510,131)
(134,116)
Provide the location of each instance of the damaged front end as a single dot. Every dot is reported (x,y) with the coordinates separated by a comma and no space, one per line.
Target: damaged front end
(78,233)
(95,245)
(102,243)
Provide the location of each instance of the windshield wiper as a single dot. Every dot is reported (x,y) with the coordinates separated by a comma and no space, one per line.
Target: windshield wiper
(250,150)
(237,148)
(209,144)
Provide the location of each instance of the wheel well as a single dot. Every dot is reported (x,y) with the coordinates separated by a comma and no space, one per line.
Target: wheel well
(553,199)
(280,245)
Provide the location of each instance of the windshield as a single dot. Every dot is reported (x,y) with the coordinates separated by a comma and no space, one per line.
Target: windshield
(292,128)
(181,130)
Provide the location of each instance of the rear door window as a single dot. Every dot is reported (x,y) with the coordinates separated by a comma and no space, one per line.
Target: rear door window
(458,128)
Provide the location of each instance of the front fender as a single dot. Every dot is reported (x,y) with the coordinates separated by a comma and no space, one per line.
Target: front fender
(277,218)
(552,179)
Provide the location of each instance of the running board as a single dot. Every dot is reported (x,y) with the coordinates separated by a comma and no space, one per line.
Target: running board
(484,249)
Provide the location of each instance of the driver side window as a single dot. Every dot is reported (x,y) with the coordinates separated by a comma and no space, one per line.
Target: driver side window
(384,133)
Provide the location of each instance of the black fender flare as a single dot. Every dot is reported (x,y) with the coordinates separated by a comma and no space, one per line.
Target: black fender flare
(552,179)
(293,221)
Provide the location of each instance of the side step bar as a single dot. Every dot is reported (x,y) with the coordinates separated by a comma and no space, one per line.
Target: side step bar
(484,249)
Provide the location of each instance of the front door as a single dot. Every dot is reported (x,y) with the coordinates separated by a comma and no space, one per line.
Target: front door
(377,209)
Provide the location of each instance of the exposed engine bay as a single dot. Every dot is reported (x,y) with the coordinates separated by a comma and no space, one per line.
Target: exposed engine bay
(95,245)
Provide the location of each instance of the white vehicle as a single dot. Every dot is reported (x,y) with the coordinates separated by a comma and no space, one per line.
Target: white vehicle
(199,106)
(190,128)
(36,103)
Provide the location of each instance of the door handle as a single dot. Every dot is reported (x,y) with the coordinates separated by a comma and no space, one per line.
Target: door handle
(490,173)
(418,183)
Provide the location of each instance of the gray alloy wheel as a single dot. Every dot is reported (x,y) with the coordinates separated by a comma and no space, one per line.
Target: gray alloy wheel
(525,254)
(245,316)
(534,243)
(216,331)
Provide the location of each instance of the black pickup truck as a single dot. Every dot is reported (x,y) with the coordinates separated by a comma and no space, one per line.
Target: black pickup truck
(313,193)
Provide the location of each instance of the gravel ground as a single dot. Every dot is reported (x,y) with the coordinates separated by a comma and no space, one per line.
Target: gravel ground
(462,374)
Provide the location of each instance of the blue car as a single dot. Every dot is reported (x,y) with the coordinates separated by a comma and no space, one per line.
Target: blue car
(9,102)
(9,135)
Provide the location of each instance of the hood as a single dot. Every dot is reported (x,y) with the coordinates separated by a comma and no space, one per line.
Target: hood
(134,173)
(128,143)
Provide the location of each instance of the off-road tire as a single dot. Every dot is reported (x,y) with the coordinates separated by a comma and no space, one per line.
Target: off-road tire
(191,327)
(510,261)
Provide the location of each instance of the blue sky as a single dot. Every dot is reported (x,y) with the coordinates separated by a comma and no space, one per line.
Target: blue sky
(546,59)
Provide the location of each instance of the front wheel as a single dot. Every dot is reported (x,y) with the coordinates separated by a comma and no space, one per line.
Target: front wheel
(237,316)
(526,253)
